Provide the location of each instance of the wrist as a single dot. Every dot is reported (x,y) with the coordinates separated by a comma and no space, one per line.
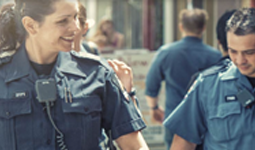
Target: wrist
(132,92)
(154,107)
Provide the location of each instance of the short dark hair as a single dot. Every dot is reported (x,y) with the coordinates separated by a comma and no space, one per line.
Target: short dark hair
(82,14)
(221,26)
(242,22)
(193,20)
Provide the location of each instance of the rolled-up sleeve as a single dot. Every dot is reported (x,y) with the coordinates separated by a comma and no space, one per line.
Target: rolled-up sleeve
(119,114)
(187,120)
(155,75)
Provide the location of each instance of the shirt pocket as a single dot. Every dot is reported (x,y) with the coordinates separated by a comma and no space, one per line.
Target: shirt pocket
(13,130)
(83,117)
(221,120)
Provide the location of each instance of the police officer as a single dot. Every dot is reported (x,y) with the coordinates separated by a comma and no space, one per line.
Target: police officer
(222,46)
(175,63)
(88,95)
(218,108)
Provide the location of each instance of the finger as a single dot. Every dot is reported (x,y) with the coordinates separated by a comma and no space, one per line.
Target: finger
(119,63)
(113,65)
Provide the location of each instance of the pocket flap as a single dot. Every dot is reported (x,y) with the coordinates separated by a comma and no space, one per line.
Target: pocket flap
(14,107)
(225,110)
(84,105)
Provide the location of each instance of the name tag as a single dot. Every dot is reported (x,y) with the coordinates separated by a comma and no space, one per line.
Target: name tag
(20,95)
(230,98)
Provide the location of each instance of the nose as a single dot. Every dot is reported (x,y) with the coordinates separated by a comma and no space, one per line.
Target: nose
(74,25)
(240,59)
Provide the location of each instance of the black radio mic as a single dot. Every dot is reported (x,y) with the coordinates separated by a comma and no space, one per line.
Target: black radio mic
(46,91)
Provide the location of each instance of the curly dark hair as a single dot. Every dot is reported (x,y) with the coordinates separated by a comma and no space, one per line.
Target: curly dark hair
(242,22)
(12,32)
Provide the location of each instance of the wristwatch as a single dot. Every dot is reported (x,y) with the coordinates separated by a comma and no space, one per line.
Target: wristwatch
(155,107)
(132,92)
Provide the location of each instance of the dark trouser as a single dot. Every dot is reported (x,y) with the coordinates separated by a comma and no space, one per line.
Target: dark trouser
(168,138)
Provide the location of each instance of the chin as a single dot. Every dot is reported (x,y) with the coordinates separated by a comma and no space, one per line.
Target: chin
(66,48)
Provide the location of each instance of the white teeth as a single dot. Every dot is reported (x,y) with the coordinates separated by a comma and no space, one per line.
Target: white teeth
(68,38)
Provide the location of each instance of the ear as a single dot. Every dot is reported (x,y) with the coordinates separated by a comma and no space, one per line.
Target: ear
(204,28)
(30,25)
(218,41)
(86,27)
(180,27)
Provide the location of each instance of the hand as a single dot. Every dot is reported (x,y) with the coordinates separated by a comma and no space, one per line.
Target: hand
(158,114)
(124,73)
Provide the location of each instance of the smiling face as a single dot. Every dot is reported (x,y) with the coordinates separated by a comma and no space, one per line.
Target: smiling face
(56,33)
(241,50)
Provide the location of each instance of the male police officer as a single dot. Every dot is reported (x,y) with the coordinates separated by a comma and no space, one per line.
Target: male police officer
(218,108)
(175,63)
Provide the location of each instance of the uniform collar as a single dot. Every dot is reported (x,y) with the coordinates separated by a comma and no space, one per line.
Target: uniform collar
(231,74)
(234,74)
(20,65)
(67,64)
(192,39)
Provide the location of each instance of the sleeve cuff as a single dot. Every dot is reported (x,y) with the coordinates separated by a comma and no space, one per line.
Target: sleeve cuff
(135,125)
(151,94)
(184,136)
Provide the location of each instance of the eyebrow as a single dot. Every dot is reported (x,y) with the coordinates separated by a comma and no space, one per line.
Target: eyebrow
(243,50)
(62,16)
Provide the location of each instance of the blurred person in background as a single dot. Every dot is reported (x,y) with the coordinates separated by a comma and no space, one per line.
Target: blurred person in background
(107,38)
(221,32)
(80,44)
(175,63)
(225,61)
(124,72)
(222,46)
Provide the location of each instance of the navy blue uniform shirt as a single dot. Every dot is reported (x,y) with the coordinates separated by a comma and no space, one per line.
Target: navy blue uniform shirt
(175,63)
(94,101)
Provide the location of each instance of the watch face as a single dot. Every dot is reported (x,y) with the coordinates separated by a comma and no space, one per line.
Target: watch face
(133,92)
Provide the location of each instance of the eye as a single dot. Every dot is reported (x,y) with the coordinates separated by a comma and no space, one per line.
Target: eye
(62,21)
(76,16)
(232,51)
(250,52)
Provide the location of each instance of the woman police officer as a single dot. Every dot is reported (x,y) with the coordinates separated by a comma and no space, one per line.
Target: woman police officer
(88,96)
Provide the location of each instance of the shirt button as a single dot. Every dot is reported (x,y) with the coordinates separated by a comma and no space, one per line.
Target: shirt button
(48,142)
(7,113)
(86,109)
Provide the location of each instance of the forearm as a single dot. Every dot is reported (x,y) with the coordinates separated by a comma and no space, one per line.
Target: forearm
(132,141)
(181,144)
(152,101)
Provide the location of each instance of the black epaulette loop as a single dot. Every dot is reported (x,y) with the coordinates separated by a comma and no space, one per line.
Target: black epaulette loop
(219,67)
(5,60)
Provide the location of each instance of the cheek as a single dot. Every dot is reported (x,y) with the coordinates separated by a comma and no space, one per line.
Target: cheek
(251,59)
(232,56)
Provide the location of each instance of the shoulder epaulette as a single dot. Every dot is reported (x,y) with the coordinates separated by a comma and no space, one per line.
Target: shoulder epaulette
(86,55)
(5,60)
(219,67)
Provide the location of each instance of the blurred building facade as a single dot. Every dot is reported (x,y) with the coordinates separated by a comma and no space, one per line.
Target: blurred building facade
(151,23)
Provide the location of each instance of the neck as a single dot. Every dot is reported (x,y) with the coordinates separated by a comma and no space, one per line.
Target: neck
(77,43)
(185,34)
(39,55)
(77,46)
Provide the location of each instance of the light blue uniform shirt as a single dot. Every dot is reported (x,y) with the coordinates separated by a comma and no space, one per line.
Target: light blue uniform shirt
(175,63)
(211,113)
